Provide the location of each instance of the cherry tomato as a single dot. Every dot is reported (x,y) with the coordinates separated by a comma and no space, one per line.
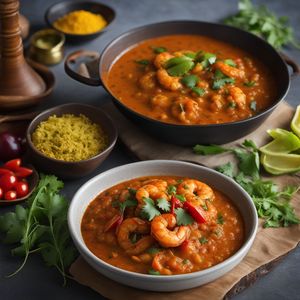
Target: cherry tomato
(7,181)
(5,171)
(13,164)
(22,172)
(1,193)
(10,195)
(21,188)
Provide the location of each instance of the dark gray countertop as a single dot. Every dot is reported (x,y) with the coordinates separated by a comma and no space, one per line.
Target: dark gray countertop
(36,281)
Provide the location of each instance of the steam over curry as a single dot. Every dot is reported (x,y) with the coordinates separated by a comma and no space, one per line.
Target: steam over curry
(162,226)
(190,79)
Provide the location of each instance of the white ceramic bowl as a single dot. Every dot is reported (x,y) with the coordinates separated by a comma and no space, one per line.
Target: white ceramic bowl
(94,186)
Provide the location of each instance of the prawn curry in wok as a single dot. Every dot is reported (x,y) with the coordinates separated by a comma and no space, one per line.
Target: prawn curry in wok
(162,226)
(191,79)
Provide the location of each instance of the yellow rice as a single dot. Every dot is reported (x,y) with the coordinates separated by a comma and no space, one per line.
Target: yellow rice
(69,138)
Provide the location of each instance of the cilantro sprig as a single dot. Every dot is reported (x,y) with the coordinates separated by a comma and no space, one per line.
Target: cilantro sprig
(260,21)
(41,227)
(272,204)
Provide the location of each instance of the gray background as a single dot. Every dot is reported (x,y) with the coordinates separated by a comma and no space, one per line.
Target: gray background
(36,281)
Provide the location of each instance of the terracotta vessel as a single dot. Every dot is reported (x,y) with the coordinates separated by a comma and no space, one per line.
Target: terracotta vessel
(17,78)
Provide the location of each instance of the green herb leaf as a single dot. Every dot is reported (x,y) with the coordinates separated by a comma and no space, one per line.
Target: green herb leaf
(153,250)
(203,240)
(41,226)
(206,59)
(171,189)
(218,83)
(226,169)
(127,203)
(182,217)
(250,83)
(144,62)
(262,22)
(190,80)
(159,49)
(208,150)
(163,204)
(230,62)
(198,91)
(153,272)
(176,61)
(149,209)
(181,198)
(180,69)
(220,219)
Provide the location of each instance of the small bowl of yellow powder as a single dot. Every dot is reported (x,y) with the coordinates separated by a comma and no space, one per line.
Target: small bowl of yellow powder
(79,21)
(70,140)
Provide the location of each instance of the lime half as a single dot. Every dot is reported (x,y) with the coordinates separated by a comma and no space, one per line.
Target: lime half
(295,124)
(281,163)
(284,142)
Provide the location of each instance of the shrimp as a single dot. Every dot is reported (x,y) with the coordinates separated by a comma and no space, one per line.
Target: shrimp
(149,191)
(237,96)
(161,101)
(159,183)
(196,188)
(148,81)
(229,70)
(166,263)
(161,59)
(160,230)
(130,226)
(168,82)
(186,110)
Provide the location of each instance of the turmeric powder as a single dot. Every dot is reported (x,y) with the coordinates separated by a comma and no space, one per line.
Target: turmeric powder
(80,22)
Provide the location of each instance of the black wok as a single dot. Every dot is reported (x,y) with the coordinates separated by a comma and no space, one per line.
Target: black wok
(193,134)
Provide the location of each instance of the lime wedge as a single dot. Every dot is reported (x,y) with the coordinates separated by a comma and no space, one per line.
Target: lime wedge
(295,124)
(281,163)
(284,142)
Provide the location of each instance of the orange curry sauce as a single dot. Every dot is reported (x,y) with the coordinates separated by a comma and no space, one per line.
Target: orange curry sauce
(147,88)
(141,245)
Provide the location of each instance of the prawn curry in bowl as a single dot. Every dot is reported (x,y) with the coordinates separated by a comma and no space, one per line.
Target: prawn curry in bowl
(162,225)
(191,80)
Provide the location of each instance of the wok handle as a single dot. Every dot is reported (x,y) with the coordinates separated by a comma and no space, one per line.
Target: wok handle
(289,61)
(83,66)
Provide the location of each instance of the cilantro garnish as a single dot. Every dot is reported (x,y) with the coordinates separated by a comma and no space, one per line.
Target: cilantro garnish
(163,204)
(144,62)
(171,189)
(272,204)
(220,219)
(198,91)
(153,250)
(149,209)
(153,272)
(260,21)
(203,240)
(159,49)
(230,62)
(190,80)
(41,227)
(249,83)
(182,217)
(220,80)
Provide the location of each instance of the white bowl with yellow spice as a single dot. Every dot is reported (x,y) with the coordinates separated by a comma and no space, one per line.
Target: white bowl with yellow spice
(70,140)
(79,20)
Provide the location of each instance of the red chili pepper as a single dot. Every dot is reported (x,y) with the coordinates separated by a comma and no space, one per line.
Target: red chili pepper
(175,203)
(5,171)
(13,164)
(1,193)
(113,223)
(184,245)
(22,172)
(196,212)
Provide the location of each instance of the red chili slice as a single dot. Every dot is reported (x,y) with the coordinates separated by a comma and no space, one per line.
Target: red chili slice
(196,212)
(13,164)
(22,172)
(175,203)
(113,223)
(184,245)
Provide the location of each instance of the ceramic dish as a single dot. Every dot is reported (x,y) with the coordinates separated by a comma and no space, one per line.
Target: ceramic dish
(60,9)
(32,180)
(192,134)
(101,182)
(64,169)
